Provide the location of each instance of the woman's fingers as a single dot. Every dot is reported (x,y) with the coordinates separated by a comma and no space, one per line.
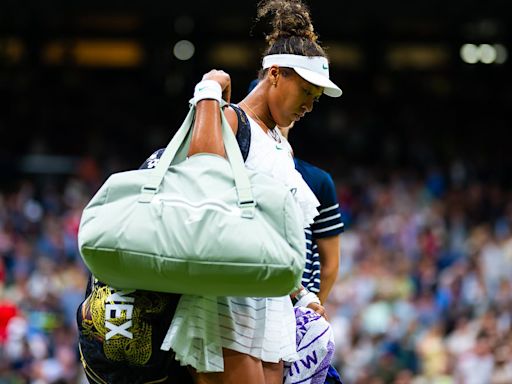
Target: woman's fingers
(223,79)
(318,308)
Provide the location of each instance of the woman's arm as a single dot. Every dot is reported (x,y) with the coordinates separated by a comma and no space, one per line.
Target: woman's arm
(207,133)
(207,130)
(329,252)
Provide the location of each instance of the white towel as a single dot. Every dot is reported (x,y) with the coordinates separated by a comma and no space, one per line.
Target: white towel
(315,347)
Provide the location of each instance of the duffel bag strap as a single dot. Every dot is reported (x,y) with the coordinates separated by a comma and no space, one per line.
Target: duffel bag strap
(158,173)
(243,186)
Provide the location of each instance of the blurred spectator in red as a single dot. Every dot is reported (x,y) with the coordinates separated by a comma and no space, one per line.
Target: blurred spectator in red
(8,310)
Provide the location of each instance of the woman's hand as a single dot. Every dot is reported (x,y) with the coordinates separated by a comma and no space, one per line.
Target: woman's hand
(305,298)
(223,79)
(318,308)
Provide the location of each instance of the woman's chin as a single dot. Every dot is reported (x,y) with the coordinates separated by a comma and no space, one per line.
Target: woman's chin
(290,124)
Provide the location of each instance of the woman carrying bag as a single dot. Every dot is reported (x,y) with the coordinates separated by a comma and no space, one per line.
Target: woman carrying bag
(236,339)
(243,339)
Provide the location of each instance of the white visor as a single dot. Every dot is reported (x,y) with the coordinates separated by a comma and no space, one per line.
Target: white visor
(314,69)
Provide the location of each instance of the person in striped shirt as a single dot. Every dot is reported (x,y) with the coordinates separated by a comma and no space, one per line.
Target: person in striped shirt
(323,237)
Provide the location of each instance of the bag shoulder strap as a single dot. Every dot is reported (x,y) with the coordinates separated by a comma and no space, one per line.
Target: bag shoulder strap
(243,134)
(242,184)
(243,137)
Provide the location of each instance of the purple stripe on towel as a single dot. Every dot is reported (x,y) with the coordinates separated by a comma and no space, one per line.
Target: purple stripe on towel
(315,339)
(313,375)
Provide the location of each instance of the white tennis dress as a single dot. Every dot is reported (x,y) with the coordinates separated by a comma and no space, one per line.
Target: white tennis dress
(261,327)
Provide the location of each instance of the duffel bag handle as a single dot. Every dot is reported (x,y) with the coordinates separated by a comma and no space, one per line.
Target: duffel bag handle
(243,186)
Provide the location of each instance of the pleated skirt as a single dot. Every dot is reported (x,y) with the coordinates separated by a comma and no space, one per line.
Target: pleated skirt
(261,327)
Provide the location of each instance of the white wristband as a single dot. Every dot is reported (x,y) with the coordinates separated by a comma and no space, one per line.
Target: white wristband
(307,299)
(207,89)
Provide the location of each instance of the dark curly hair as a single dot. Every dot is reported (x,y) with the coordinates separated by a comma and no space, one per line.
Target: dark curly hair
(293,31)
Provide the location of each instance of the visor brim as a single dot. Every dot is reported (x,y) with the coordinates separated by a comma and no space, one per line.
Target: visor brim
(330,89)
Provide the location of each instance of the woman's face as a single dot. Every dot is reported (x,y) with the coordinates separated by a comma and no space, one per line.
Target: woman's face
(292,96)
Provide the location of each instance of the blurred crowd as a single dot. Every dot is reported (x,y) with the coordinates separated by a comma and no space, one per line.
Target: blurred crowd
(42,281)
(424,293)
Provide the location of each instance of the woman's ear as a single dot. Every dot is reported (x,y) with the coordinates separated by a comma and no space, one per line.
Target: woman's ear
(273,74)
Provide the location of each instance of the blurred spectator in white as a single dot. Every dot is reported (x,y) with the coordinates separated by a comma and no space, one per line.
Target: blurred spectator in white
(476,366)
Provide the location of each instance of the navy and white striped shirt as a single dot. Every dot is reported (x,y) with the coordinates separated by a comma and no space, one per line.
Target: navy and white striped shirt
(328,223)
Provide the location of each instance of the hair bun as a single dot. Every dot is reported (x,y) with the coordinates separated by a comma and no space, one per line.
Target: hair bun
(289,18)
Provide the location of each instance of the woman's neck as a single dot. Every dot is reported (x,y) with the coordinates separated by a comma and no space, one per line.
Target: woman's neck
(258,110)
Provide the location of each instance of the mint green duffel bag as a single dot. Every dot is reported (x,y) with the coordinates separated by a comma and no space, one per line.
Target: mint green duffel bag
(202,225)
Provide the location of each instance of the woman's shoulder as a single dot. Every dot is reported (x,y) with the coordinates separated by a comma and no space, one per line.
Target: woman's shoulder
(231,117)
